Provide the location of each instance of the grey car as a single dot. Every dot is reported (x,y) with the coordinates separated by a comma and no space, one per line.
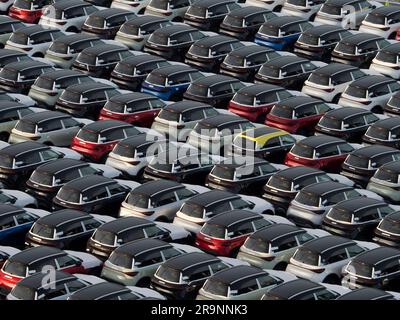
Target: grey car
(386,181)
(7,27)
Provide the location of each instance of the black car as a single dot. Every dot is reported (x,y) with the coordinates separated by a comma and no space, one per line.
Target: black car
(93,193)
(359,49)
(283,186)
(7,26)
(384,132)
(131,72)
(392,108)
(243,23)
(377,268)
(106,23)
(361,164)
(387,233)
(100,60)
(17,77)
(64,229)
(356,218)
(348,123)
(10,113)
(181,277)
(318,42)
(286,71)
(85,100)
(215,90)
(241,175)
(172,42)
(367,293)
(244,62)
(207,53)
(8,56)
(208,14)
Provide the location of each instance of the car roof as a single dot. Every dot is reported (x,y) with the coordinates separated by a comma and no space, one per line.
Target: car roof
(237,273)
(64,5)
(76,37)
(247,11)
(211,3)
(60,217)
(100,126)
(45,116)
(141,58)
(182,106)
(296,102)
(89,86)
(334,68)
(316,141)
(346,112)
(22,147)
(207,198)
(174,29)
(323,29)
(38,280)
(249,50)
(385,10)
(187,260)
(241,162)
(10,52)
(373,151)
(295,287)
(221,119)
(257,89)
(283,61)
(136,247)
(4,19)
(359,204)
(9,105)
(366,293)
(35,29)
(173,69)
(59,74)
(209,42)
(276,231)
(136,141)
(120,224)
(7,209)
(370,81)
(88,182)
(229,218)
(213,80)
(145,19)
(325,187)
(152,188)
(392,48)
(59,165)
(360,38)
(26,64)
(98,290)
(327,243)
(110,12)
(295,172)
(377,255)
(103,48)
(388,123)
(132,97)
(31,255)
(284,20)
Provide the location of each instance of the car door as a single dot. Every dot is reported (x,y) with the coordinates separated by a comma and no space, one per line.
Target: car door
(329,157)
(70,264)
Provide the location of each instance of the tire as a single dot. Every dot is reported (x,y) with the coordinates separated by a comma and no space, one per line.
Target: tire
(4,136)
(377,109)
(72,29)
(144,283)
(281,266)
(270,212)
(177,19)
(38,55)
(162,219)
(392,36)
(332,279)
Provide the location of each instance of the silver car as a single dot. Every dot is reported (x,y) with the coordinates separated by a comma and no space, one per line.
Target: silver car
(386,181)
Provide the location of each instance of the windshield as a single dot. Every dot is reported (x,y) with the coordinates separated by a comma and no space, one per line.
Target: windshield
(87,135)
(104,237)
(355,91)
(192,210)
(69,195)
(42,177)
(44,83)
(340,214)
(303,150)
(282,111)
(169,274)
(306,256)
(216,287)
(378,132)
(19,38)
(9,74)
(257,244)
(269,30)
(42,230)
(213,230)
(307,198)
(121,259)
(156,78)
(138,200)
(15,268)
(387,175)
(331,8)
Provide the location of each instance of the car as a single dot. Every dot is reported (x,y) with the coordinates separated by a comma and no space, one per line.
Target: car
(392,107)
(356,218)
(224,233)
(289,72)
(265,142)
(254,102)
(135,32)
(17,77)
(113,234)
(328,83)
(244,62)
(359,49)
(114,291)
(385,132)
(92,193)
(106,23)
(100,60)
(7,27)
(35,287)
(172,10)
(298,114)
(347,123)
(4,7)
(241,283)
(320,152)
(135,262)
(170,82)
(302,289)
(17,198)
(29,261)
(6,252)
(207,54)
(370,93)
(283,186)
(281,33)
(47,179)
(85,100)
(387,231)
(33,40)
(382,21)
(208,14)
(130,72)
(312,202)
(198,210)
(16,222)
(272,246)
(322,259)
(361,164)
(385,182)
(158,200)
(241,175)
(368,293)
(64,229)
(176,120)
(135,108)
(317,43)
(10,113)
(63,50)
(17,161)
(8,56)
(28,11)
(179,162)
(182,277)
(172,42)
(304,9)
(346,13)
(386,61)
(67,16)
(378,268)
(97,139)
(216,90)
(213,135)
(47,127)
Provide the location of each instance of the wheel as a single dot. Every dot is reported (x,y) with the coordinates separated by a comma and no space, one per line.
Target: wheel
(177,19)
(332,279)
(377,109)
(38,55)
(162,219)
(144,283)
(277,9)
(281,266)
(270,212)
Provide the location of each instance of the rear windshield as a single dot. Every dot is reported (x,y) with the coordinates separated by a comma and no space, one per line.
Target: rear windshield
(303,150)
(130,29)
(309,38)
(389,57)
(233,21)
(340,214)
(68,95)
(95,21)
(42,230)
(124,150)
(308,198)
(23,292)
(169,115)
(19,38)
(160,4)
(199,50)
(257,244)
(214,231)
(192,210)
(269,30)
(270,70)
(69,195)
(197,11)
(394,101)
(387,175)
(26,126)
(121,259)
(223,173)
(378,132)
(58,47)
(330,8)
(138,200)
(6,161)
(115,107)
(345,48)
(158,38)
(42,177)
(156,78)
(376,18)
(87,135)
(245,143)
(83,57)
(44,83)
(355,91)
(159,165)
(244,99)
(360,268)
(169,274)
(234,60)
(197,90)
(104,237)
(280,182)
(329,122)
(15,268)
(306,256)
(389,225)
(356,161)
(9,74)
(282,112)
(216,287)
(320,79)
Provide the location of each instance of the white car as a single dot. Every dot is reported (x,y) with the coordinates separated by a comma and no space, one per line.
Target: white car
(17,198)
(306,9)
(17,97)
(382,21)
(136,6)
(273,5)
(387,61)
(322,259)
(173,10)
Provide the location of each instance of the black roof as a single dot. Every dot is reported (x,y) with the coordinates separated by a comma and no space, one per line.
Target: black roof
(283,61)
(241,162)
(8,105)
(232,217)
(59,74)
(220,120)
(131,97)
(385,11)
(182,106)
(296,102)
(35,29)
(89,86)
(323,244)
(88,182)
(257,89)
(284,20)
(248,11)
(135,141)
(249,50)
(100,126)
(120,224)
(359,38)
(235,273)
(26,64)
(345,112)
(37,281)
(6,209)
(292,288)
(340,2)
(376,255)
(76,37)
(323,29)
(172,69)
(373,151)
(393,48)
(9,52)
(206,198)
(103,48)
(136,247)
(210,3)
(63,5)
(370,81)
(44,116)
(30,255)
(389,123)
(316,141)
(157,186)
(16,149)
(98,290)
(393,166)
(260,131)
(176,28)
(4,19)
(366,293)
(212,41)
(213,80)
(359,204)
(63,216)
(110,12)
(189,259)
(58,165)
(145,19)
(140,59)
(275,231)
(325,187)
(295,172)
(333,68)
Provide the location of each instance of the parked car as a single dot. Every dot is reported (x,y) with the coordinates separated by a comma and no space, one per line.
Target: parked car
(383,21)
(17,198)
(385,182)
(6,252)
(387,233)
(137,6)
(7,27)
(28,11)
(305,9)
(392,107)
(385,132)
(387,61)
(275,5)
(368,293)
(172,10)
(8,56)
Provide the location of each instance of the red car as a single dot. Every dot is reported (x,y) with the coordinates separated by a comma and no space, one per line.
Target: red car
(223,234)
(398,35)
(95,140)
(28,11)
(135,108)
(297,114)
(255,101)
(36,259)
(320,152)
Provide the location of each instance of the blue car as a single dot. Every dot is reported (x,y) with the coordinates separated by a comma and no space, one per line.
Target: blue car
(170,82)
(15,223)
(281,33)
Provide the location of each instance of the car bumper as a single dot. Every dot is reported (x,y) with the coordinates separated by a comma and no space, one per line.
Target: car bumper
(387,71)
(255,261)
(189,226)
(304,218)
(305,274)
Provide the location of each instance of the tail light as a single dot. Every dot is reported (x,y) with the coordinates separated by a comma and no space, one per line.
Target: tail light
(270,258)
(318,270)
(180,126)
(168,13)
(366,102)
(131,274)
(329,89)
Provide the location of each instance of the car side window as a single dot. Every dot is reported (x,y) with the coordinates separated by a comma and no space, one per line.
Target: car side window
(65,261)
(41,38)
(337,256)
(304,237)
(322,108)
(154,231)
(112,135)
(116,189)
(75,286)
(23,218)
(334,198)
(10,115)
(219,208)
(89,10)
(354,250)
(325,295)
(260,223)
(184,193)
(272,143)
(28,158)
(151,258)
(58,291)
(390,267)
(341,78)
(51,125)
(292,70)
(239,204)
(382,43)
(292,29)
(287,244)
(380,91)
(345,148)
(74,13)
(247,286)
(91,224)
(242,229)
(209,112)
(394,86)
(354,122)
(96,194)
(200,273)
(69,122)
(7,222)
(267,281)
(181,38)
(305,111)
(130,235)
(193,115)
(164,199)
(357,74)
(370,118)
(73,229)
(327,151)
(221,89)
